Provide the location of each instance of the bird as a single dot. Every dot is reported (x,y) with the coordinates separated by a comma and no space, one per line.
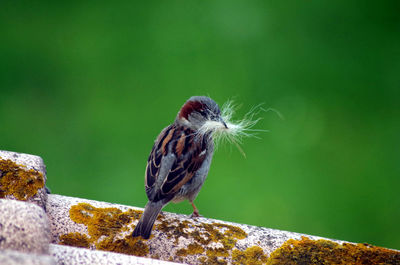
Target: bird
(180,159)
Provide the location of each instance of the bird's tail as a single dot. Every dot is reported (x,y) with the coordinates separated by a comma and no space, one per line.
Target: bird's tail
(145,224)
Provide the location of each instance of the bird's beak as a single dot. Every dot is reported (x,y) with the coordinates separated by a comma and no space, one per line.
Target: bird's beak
(223,122)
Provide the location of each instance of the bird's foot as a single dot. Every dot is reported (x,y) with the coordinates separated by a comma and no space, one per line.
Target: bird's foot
(195,214)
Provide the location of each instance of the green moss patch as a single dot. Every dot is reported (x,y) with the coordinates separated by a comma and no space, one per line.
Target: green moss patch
(19,182)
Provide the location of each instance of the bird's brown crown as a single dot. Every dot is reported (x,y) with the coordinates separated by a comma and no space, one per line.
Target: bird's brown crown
(189,107)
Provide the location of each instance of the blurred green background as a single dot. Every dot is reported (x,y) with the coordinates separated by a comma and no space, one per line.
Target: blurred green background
(88,85)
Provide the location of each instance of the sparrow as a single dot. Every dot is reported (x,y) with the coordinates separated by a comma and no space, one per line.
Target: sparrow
(180,159)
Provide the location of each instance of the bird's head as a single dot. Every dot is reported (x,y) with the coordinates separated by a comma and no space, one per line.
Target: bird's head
(201,113)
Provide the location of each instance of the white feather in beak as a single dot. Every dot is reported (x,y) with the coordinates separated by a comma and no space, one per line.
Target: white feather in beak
(232,131)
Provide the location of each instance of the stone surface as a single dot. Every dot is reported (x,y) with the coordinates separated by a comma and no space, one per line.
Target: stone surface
(103,232)
(176,237)
(73,256)
(29,162)
(58,207)
(23,227)
(9,257)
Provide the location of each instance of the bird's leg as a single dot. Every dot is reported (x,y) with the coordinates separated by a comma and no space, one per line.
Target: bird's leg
(195,211)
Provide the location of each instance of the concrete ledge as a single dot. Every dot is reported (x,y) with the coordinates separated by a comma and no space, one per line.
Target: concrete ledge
(79,256)
(104,226)
(178,238)
(29,161)
(23,227)
(30,171)
(10,257)
(102,232)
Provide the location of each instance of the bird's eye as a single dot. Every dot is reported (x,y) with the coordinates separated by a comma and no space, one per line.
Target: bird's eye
(203,112)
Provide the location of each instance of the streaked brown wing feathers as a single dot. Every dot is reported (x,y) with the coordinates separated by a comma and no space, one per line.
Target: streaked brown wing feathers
(189,158)
(185,166)
(154,161)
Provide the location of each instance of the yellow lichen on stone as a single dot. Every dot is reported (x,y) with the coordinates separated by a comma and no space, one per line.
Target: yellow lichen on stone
(206,238)
(19,182)
(214,242)
(232,231)
(173,231)
(214,260)
(252,255)
(127,245)
(217,252)
(192,249)
(106,227)
(225,234)
(307,251)
(76,240)
(108,230)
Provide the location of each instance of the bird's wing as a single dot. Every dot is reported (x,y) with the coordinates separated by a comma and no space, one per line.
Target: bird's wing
(176,156)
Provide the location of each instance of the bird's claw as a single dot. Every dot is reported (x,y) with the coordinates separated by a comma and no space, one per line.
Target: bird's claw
(195,214)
